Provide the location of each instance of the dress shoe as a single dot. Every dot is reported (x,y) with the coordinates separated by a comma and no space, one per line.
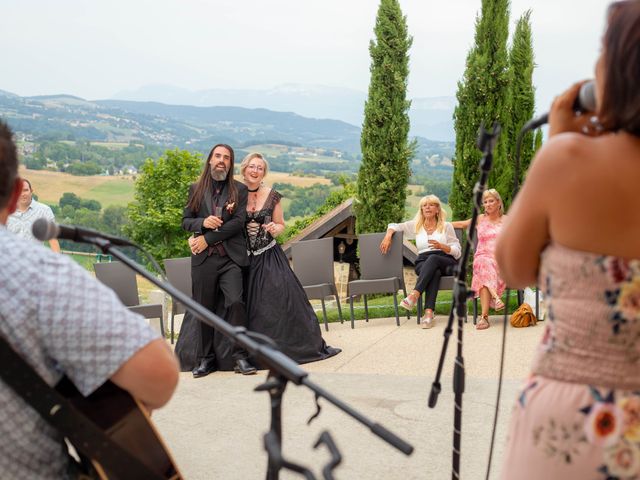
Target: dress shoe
(207,366)
(244,367)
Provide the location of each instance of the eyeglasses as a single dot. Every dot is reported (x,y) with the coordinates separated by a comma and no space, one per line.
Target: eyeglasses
(257,168)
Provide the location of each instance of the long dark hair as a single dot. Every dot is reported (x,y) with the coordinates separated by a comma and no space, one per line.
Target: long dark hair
(620,103)
(205,181)
(8,164)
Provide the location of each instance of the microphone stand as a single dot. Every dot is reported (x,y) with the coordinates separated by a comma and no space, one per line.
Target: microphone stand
(282,369)
(486,143)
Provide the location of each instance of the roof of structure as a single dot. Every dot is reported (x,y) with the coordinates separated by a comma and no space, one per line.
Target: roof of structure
(333,224)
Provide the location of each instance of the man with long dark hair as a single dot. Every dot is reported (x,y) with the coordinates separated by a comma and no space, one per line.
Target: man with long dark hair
(215,213)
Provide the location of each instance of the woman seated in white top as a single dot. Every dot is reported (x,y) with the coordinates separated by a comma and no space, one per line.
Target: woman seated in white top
(438,250)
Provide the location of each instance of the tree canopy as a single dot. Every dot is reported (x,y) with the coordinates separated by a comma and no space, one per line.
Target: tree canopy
(521,105)
(482,99)
(386,150)
(161,192)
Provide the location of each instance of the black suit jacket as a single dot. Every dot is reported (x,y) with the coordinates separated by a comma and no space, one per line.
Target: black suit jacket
(231,233)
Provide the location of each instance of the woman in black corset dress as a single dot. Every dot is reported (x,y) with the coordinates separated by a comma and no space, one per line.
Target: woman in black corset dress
(276,303)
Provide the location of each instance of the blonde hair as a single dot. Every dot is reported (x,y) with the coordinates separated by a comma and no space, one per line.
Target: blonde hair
(245,162)
(441,216)
(492,192)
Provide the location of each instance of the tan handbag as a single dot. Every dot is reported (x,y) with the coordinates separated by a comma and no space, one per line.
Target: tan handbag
(523,316)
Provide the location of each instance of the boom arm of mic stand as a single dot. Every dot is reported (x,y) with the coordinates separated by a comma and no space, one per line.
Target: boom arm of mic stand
(275,360)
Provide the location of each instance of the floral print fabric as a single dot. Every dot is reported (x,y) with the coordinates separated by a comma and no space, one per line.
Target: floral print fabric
(578,415)
(485,267)
(562,430)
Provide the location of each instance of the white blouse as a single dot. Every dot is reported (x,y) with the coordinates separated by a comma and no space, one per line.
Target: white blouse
(448,236)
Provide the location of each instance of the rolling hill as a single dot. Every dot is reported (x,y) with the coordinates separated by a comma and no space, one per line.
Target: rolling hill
(69,117)
(66,117)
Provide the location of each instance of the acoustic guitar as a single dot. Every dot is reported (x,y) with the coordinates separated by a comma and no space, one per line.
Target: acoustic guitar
(126,422)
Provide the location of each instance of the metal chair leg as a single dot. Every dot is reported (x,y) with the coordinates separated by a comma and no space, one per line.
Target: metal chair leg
(366,309)
(172,329)
(404,291)
(162,327)
(395,306)
(475,310)
(351,307)
(339,309)
(324,313)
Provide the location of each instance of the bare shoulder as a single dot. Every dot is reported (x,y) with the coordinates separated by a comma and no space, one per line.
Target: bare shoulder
(572,147)
(562,148)
(582,156)
(563,157)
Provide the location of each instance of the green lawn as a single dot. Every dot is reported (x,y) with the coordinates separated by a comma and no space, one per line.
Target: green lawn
(320,159)
(111,145)
(382,307)
(112,193)
(268,150)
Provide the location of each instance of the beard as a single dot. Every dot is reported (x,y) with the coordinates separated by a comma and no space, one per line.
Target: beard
(218,175)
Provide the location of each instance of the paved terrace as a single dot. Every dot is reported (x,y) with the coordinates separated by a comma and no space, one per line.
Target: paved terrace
(214,425)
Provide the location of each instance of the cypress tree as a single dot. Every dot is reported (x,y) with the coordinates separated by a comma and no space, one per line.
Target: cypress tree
(537,141)
(386,149)
(482,98)
(521,106)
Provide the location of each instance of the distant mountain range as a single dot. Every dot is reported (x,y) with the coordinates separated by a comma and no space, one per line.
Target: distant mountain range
(68,117)
(194,127)
(430,117)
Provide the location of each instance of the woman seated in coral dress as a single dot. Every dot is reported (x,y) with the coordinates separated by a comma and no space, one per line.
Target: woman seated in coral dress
(575,228)
(486,282)
(438,250)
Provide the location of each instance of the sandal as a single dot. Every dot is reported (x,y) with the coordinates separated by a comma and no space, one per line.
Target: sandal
(409,302)
(483,323)
(427,322)
(499,305)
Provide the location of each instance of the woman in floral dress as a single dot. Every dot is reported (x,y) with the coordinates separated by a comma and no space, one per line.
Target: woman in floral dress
(575,228)
(486,282)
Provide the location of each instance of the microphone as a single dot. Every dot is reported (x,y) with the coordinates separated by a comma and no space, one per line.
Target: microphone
(44,230)
(585,102)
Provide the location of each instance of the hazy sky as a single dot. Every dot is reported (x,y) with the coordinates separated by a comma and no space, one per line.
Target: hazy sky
(94,49)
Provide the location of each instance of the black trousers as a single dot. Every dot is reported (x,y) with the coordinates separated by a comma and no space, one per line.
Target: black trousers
(217,285)
(430,266)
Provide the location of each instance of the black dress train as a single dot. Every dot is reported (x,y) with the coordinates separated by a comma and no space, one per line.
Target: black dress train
(277,305)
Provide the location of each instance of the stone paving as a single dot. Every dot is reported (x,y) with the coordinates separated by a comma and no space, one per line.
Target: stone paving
(214,425)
